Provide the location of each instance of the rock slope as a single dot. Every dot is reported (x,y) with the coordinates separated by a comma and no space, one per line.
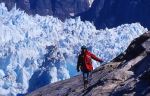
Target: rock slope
(111,13)
(126,75)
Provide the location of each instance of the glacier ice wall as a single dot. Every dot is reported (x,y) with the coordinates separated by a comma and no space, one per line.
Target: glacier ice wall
(32,43)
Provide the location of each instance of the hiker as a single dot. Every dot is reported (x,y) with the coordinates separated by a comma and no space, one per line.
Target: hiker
(85,64)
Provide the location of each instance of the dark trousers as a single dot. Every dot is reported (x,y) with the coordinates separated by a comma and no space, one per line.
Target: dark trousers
(86,77)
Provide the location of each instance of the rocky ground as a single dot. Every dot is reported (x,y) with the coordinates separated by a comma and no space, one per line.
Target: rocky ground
(126,75)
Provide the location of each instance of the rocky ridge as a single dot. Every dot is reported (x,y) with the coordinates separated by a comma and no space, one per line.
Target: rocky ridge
(126,75)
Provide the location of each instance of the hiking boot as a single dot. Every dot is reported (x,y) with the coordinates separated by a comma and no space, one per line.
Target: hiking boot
(85,84)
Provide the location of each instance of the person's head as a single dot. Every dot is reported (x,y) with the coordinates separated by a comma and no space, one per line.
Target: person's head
(83,48)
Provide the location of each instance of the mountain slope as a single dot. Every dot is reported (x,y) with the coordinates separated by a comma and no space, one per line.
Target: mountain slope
(111,13)
(59,8)
(103,13)
(120,77)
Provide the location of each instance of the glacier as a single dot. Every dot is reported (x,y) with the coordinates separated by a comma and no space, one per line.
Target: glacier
(46,47)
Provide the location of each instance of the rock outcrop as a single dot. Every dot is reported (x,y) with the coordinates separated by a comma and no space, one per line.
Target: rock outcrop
(126,75)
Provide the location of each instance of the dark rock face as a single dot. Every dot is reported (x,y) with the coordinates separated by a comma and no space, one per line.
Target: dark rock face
(135,48)
(125,77)
(59,8)
(104,13)
(111,13)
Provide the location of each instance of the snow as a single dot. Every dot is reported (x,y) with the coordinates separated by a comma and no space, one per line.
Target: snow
(30,44)
(90,2)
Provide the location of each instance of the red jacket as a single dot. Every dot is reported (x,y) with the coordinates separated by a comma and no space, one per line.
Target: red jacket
(85,61)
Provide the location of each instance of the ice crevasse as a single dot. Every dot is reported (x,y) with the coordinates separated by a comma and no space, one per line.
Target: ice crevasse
(32,43)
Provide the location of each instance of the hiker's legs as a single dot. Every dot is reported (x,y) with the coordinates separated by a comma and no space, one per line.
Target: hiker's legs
(87,75)
(85,78)
(90,76)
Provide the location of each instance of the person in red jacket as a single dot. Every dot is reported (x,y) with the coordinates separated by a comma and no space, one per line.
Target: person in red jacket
(85,64)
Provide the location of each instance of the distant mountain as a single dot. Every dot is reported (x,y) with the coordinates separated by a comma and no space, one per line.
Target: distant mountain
(103,13)
(111,13)
(59,8)
(127,75)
